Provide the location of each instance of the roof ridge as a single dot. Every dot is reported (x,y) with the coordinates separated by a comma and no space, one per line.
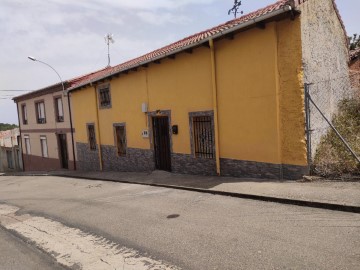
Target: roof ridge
(181,44)
(205,33)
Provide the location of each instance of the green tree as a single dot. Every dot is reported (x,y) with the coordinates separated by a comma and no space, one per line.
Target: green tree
(354,42)
(4,126)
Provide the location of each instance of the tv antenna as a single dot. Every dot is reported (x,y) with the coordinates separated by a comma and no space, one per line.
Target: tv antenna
(235,9)
(109,38)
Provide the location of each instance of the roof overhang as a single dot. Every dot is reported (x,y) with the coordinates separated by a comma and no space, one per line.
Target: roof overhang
(37,93)
(271,16)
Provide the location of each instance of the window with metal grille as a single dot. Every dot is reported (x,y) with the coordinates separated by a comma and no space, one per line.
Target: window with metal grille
(104,97)
(203,137)
(40,112)
(120,139)
(59,110)
(92,138)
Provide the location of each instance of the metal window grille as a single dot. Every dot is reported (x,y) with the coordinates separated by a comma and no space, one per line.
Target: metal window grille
(40,107)
(92,138)
(203,137)
(104,94)
(59,110)
(120,140)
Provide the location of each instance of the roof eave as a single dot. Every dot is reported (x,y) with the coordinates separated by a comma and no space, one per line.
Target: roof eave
(240,26)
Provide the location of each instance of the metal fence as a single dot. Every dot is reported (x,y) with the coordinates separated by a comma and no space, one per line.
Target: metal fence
(333,146)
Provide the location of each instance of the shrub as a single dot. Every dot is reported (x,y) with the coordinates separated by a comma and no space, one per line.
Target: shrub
(332,158)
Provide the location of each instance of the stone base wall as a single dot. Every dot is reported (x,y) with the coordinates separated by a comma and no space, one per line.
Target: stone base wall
(252,169)
(136,160)
(188,164)
(88,160)
(142,160)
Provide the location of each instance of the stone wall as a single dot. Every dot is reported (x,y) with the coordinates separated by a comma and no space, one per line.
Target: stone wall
(325,61)
(135,160)
(188,164)
(261,170)
(142,160)
(88,160)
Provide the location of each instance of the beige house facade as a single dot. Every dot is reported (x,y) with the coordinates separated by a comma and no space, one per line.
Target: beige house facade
(46,134)
(46,130)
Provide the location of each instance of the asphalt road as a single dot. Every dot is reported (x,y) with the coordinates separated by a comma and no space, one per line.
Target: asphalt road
(192,230)
(17,255)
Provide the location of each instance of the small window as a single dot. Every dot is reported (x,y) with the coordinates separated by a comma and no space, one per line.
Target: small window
(120,139)
(40,112)
(59,110)
(203,137)
(91,135)
(27,145)
(24,114)
(104,97)
(44,149)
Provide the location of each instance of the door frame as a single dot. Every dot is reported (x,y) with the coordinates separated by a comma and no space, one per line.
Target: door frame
(62,166)
(159,113)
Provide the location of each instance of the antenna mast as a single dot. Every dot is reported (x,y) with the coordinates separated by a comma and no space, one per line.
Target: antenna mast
(235,9)
(109,38)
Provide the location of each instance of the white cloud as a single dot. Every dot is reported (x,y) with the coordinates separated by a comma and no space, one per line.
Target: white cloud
(162,18)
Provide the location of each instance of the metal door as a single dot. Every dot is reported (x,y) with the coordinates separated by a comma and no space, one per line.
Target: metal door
(63,151)
(161,135)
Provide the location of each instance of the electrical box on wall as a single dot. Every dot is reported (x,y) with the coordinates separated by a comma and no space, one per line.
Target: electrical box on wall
(144,107)
(175,129)
(145,133)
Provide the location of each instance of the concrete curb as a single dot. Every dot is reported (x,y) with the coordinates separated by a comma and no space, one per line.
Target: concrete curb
(312,204)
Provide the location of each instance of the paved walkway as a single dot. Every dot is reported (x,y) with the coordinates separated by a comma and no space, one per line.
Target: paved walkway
(337,195)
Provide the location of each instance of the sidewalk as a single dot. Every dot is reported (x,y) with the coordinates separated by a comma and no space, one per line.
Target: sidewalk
(335,195)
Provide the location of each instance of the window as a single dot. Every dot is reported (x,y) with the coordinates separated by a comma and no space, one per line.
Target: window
(40,112)
(59,110)
(104,97)
(27,145)
(120,139)
(24,114)
(91,135)
(203,137)
(44,149)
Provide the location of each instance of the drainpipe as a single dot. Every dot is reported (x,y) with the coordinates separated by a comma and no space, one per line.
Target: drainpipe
(98,128)
(71,130)
(20,142)
(215,105)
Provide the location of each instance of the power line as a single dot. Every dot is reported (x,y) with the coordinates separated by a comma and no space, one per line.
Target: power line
(14,90)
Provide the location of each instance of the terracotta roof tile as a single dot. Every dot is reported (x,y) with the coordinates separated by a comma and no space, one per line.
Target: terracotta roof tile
(181,44)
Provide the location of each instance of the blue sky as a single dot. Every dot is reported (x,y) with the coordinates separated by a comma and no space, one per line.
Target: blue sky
(69,35)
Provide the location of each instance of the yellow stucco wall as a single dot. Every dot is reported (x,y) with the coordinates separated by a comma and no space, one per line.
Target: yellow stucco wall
(291,93)
(247,96)
(260,98)
(83,112)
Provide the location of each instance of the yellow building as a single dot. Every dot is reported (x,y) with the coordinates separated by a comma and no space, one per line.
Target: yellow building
(226,101)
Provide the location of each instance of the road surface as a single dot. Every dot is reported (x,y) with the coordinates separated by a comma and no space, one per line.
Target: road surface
(86,224)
